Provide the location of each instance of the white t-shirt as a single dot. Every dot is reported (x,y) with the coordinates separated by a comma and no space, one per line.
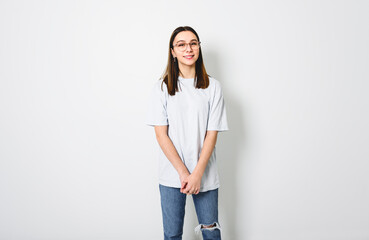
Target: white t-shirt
(188,114)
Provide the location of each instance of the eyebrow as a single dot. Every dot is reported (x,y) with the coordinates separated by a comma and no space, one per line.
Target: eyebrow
(185,41)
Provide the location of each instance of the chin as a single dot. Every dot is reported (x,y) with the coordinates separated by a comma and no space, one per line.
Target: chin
(189,62)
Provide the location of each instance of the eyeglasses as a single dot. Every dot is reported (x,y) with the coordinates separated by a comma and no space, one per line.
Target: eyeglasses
(183,46)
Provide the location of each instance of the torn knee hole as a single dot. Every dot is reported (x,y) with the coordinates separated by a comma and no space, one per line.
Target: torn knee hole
(204,227)
(208,226)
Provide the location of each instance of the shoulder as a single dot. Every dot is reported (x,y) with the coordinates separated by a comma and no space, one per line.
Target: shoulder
(160,86)
(214,84)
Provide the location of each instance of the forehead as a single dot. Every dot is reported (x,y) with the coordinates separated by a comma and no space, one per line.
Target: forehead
(186,36)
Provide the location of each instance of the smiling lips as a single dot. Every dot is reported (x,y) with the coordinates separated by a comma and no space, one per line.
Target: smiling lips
(189,56)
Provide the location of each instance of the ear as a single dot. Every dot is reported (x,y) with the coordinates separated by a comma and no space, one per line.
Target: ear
(174,55)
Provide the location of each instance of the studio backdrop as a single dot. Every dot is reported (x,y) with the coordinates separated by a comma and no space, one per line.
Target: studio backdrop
(78,162)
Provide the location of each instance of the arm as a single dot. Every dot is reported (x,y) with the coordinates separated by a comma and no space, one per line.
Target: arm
(170,152)
(194,180)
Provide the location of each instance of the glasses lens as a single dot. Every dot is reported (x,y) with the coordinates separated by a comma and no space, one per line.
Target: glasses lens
(182,46)
(194,46)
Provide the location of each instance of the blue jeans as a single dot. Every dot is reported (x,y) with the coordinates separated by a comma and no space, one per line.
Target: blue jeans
(173,210)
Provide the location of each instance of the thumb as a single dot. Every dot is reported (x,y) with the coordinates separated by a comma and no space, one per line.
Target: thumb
(183,185)
(187,187)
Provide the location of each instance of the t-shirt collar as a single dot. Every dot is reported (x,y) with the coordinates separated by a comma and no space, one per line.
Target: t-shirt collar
(185,79)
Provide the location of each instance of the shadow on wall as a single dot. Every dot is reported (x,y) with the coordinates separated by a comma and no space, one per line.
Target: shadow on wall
(228,149)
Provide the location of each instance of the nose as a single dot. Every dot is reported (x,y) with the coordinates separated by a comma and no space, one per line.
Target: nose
(189,46)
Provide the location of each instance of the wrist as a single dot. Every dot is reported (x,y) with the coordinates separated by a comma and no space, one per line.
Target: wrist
(197,173)
(183,172)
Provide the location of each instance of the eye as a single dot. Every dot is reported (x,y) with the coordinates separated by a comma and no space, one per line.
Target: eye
(193,43)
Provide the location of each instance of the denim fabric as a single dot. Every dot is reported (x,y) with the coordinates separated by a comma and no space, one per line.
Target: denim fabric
(173,210)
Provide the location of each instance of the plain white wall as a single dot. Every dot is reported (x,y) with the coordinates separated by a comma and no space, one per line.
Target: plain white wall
(78,162)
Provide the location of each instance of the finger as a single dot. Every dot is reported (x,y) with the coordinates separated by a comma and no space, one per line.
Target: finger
(183,187)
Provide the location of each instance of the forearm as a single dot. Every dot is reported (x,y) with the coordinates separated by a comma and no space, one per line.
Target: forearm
(171,153)
(206,151)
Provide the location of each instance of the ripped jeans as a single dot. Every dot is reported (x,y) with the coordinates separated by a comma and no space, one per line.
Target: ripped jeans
(173,210)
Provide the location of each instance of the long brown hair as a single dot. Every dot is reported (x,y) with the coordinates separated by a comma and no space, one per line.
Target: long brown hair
(170,76)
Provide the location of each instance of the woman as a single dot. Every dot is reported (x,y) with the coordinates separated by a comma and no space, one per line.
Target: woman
(187,109)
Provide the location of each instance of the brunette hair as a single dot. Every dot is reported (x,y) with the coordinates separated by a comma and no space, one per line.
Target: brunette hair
(170,76)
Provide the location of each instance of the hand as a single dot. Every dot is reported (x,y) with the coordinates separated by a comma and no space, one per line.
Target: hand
(193,184)
(183,178)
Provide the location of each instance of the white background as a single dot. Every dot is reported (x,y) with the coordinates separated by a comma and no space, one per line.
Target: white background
(78,162)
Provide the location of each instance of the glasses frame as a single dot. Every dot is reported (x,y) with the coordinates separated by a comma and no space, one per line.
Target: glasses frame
(175,45)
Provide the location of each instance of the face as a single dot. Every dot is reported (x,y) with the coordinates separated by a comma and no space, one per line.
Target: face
(189,56)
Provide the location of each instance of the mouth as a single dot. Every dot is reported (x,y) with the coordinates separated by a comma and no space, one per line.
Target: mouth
(189,56)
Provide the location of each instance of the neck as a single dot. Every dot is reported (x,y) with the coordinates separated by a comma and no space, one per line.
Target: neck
(186,71)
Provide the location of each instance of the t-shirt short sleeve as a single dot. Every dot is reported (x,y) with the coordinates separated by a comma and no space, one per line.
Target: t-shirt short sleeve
(157,106)
(217,113)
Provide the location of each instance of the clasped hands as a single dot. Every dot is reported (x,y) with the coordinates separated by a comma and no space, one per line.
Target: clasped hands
(190,183)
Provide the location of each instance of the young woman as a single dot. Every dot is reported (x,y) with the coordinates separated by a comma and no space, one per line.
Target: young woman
(187,109)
